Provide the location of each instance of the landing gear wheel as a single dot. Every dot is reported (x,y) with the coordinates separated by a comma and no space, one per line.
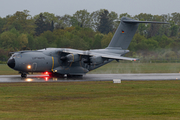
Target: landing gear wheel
(23,75)
(56,75)
(75,76)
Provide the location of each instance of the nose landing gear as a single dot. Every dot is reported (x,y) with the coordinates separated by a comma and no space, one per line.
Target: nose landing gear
(23,75)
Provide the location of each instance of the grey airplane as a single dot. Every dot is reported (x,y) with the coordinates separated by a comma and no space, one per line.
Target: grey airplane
(72,62)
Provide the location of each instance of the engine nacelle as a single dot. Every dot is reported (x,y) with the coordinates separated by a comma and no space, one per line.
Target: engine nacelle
(72,57)
(96,59)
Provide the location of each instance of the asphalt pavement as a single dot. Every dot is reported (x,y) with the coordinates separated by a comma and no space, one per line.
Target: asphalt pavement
(91,77)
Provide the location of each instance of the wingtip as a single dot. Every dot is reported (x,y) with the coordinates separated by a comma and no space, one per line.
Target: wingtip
(135,60)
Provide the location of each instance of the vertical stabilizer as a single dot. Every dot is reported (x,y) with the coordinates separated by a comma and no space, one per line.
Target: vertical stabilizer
(125,33)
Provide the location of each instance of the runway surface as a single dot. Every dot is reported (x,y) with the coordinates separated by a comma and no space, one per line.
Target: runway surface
(91,77)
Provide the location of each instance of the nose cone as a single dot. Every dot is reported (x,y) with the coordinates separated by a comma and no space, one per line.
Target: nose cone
(11,63)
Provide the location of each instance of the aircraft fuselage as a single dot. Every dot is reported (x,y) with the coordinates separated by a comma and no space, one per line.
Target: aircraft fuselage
(50,60)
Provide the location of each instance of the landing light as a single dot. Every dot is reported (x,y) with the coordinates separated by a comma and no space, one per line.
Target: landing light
(29,67)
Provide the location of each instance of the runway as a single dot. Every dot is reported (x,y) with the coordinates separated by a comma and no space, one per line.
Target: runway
(91,77)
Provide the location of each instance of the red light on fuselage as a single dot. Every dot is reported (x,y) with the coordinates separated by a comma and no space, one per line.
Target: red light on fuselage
(46,73)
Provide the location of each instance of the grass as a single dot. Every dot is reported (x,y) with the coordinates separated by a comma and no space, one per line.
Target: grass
(134,67)
(116,68)
(5,70)
(137,100)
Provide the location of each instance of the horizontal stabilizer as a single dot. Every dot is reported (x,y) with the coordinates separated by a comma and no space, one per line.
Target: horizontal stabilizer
(135,21)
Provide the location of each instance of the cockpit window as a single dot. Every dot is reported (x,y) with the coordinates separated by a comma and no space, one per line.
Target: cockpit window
(17,56)
(13,56)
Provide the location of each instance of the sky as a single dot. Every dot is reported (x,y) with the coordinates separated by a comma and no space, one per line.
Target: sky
(62,7)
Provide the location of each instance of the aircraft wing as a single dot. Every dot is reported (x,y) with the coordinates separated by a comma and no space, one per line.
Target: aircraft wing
(104,55)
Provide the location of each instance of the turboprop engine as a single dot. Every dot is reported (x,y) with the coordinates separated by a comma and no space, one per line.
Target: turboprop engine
(72,57)
(96,59)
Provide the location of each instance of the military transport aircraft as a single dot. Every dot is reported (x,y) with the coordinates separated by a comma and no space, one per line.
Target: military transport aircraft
(71,62)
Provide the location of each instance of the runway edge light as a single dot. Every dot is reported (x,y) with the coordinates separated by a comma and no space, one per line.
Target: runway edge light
(116,80)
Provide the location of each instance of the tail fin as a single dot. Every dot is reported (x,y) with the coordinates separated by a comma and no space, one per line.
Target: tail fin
(125,33)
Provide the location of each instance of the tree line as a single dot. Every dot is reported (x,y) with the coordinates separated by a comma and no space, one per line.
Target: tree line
(84,30)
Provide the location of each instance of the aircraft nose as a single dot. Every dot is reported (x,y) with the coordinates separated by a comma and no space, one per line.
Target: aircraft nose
(11,63)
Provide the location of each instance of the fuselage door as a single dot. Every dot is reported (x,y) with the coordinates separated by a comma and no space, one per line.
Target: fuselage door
(34,66)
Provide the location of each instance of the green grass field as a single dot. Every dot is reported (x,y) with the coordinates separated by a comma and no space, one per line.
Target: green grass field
(116,68)
(5,70)
(137,100)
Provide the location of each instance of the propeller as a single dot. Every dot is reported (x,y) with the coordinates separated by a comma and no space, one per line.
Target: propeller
(87,60)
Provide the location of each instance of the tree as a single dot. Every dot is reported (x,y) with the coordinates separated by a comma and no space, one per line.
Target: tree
(3,54)
(137,40)
(21,21)
(30,42)
(8,40)
(95,21)
(114,18)
(13,39)
(3,21)
(22,41)
(106,40)
(124,15)
(142,28)
(144,16)
(83,18)
(43,24)
(164,30)
(163,41)
(63,22)
(49,19)
(81,43)
(106,24)
(174,29)
(153,30)
(97,41)
(176,18)
(40,42)
(49,36)
(96,18)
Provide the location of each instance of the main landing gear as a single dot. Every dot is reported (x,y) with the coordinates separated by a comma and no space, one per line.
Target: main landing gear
(64,75)
(56,75)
